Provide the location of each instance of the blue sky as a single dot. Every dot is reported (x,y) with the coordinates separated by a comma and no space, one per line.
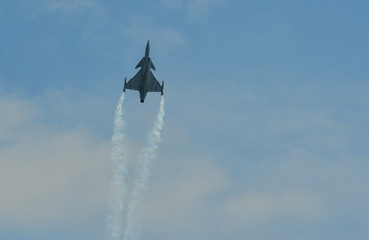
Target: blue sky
(266,127)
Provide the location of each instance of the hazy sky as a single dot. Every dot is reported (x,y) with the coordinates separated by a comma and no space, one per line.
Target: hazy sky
(266,128)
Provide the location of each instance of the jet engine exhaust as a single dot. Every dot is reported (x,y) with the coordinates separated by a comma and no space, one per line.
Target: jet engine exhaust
(118,183)
(142,174)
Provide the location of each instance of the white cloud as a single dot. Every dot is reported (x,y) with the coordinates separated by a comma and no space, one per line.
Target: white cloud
(258,208)
(164,38)
(92,16)
(173,202)
(175,4)
(305,175)
(16,112)
(71,6)
(194,8)
(284,165)
(48,175)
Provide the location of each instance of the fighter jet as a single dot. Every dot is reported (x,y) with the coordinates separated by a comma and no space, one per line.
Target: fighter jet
(144,81)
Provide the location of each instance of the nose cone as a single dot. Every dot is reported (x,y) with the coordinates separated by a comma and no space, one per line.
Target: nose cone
(147,51)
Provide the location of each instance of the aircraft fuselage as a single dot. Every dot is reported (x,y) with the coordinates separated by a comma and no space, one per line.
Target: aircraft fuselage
(144,81)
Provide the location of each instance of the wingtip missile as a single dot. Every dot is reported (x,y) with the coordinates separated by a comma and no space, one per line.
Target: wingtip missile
(125,84)
(162,88)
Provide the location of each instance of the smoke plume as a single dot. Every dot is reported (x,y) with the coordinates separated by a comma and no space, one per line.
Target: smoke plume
(118,182)
(141,176)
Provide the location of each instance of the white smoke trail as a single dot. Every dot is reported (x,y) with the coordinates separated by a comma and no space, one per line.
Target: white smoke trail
(141,176)
(118,185)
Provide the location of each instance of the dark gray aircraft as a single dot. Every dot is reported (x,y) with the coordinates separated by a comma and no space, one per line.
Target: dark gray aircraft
(144,80)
